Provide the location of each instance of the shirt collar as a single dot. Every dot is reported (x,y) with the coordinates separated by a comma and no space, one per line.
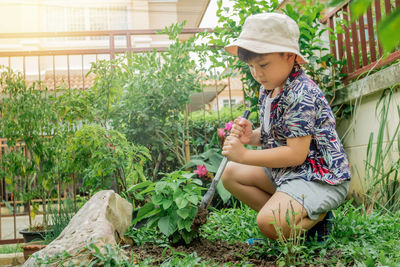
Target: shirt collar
(296,71)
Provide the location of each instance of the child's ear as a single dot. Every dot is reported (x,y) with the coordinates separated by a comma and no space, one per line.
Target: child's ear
(290,57)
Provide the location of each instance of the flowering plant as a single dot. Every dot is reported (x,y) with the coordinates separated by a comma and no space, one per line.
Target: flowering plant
(201,171)
(228,126)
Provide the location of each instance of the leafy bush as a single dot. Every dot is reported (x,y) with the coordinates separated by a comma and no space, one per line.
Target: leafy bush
(104,158)
(29,121)
(173,206)
(143,97)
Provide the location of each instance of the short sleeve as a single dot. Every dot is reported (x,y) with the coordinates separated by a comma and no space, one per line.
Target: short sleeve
(299,115)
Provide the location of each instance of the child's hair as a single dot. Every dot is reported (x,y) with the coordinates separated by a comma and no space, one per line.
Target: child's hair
(247,55)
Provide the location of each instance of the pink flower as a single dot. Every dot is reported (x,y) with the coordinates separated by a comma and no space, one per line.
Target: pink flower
(228,126)
(221,133)
(201,171)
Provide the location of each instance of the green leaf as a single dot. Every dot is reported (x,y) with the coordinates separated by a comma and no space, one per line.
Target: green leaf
(144,211)
(287,218)
(181,202)
(389,31)
(140,185)
(197,181)
(166,225)
(223,193)
(166,203)
(188,225)
(160,186)
(335,3)
(193,199)
(183,213)
(192,163)
(157,199)
(180,224)
(358,7)
(188,175)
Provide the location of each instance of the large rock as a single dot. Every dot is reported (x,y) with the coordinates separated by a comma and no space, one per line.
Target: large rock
(102,220)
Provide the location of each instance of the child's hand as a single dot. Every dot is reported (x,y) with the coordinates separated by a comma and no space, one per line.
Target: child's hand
(233,149)
(242,129)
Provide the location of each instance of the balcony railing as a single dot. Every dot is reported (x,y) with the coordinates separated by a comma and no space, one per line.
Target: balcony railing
(52,75)
(358,43)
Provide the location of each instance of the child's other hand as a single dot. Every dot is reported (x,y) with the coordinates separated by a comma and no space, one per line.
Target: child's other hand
(242,129)
(233,149)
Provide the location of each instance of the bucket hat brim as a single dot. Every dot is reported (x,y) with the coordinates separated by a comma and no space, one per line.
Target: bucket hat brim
(262,48)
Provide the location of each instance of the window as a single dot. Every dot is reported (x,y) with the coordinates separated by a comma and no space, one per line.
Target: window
(225,102)
(98,18)
(110,18)
(61,18)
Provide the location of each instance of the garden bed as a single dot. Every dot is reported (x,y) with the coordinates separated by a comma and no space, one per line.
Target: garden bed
(357,238)
(208,251)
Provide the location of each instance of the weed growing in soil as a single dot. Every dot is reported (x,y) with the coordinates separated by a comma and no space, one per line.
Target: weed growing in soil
(292,246)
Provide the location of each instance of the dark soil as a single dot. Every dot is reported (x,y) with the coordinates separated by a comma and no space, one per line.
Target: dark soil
(199,219)
(218,252)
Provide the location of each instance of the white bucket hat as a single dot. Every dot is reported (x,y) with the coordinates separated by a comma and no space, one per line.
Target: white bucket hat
(269,33)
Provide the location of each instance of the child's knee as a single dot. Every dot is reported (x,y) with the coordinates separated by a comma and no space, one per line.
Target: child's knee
(267,226)
(227,175)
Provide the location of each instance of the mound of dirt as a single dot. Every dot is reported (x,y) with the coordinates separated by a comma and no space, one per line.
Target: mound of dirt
(199,219)
(218,251)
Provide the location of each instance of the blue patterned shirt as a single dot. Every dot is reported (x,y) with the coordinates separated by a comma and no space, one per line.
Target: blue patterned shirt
(301,109)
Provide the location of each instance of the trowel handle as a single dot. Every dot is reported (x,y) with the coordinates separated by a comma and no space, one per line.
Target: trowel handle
(246,114)
(207,198)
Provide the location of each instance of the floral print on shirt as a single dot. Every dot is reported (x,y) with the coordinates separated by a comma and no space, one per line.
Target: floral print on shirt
(301,109)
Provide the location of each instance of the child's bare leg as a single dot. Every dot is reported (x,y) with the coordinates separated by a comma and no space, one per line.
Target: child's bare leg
(273,214)
(249,184)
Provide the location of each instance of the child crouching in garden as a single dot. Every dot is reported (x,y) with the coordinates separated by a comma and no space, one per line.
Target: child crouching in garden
(302,168)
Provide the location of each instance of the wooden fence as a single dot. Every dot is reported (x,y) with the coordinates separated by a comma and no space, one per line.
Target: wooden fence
(358,43)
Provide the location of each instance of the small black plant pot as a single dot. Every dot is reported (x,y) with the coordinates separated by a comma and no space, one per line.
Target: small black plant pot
(30,236)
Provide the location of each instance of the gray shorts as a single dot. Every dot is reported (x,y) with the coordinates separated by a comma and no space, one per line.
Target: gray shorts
(316,197)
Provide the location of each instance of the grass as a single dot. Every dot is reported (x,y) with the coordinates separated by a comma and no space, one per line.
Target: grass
(9,249)
(231,225)
(59,218)
(358,238)
(382,181)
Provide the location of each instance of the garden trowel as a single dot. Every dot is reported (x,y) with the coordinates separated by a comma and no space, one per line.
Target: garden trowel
(201,215)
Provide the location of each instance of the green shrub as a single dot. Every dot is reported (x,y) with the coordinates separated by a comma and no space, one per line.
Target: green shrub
(173,206)
(104,158)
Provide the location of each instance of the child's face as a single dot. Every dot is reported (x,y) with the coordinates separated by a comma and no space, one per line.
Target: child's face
(272,70)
